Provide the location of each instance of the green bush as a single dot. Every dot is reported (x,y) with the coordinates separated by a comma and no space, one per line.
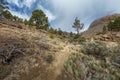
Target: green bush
(116,49)
(51,36)
(97,49)
(77,39)
(44,46)
(115,56)
(105,29)
(48,57)
(75,67)
(114,25)
(81,40)
(97,63)
(84,67)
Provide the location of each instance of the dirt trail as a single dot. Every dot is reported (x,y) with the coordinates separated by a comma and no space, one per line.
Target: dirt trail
(58,64)
(60,59)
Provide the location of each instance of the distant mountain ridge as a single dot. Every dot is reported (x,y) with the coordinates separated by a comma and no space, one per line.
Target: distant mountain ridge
(104,20)
(97,25)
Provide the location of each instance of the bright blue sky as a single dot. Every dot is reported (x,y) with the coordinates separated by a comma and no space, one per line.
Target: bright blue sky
(61,13)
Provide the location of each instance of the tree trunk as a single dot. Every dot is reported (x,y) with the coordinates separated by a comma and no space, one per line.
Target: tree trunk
(77,31)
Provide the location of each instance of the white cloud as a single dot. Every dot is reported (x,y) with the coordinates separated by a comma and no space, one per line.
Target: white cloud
(86,10)
(50,16)
(24,16)
(13,1)
(66,10)
(28,3)
(73,8)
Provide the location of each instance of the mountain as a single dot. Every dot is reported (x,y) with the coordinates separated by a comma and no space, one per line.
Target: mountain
(104,20)
(96,26)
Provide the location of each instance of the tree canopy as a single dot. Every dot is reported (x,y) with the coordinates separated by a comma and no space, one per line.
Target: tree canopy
(2,7)
(114,25)
(39,19)
(6,14)
(77,25)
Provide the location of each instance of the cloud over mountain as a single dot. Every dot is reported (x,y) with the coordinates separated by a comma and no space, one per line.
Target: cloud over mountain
(61,13)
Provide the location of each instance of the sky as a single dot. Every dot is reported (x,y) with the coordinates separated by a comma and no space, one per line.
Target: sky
(61,13)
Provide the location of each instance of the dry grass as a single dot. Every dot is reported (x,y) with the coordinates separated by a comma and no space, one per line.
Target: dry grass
(27,51)
(20,48)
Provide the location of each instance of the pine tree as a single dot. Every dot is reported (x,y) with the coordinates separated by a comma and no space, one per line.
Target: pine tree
(77,25)
(115,25)
(105,29)
(59,31)
(6,14)
(39,19)
(2,7)
(25,22)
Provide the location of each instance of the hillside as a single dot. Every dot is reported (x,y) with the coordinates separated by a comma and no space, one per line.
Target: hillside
(27,53)
(30,54)
(96,26)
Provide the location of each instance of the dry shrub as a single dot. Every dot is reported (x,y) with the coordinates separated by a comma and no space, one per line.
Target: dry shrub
(97,49)
(48,57)
(11,48)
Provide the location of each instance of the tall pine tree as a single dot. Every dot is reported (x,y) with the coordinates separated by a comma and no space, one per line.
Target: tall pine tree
(39,19)
(77,25)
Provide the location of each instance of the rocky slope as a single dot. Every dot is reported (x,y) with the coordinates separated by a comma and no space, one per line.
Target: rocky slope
(96,26)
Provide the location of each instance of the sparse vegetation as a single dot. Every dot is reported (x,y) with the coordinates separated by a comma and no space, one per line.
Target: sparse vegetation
(105,29)
(97,49)
(44,46)
(77,39)
(115,56)
(10,49)
(48,57)
(52,31)
(114,25)
(86,67)
(116,49)
(77,25)
(51,36)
